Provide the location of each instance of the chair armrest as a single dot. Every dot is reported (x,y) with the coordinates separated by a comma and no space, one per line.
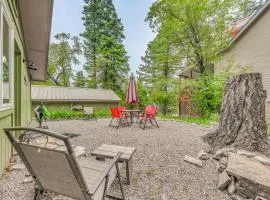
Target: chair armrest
(105,173)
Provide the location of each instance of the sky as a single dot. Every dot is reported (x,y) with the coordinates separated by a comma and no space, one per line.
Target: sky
(67,18)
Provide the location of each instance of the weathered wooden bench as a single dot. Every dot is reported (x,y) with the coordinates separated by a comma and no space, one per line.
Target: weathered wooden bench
(109,151)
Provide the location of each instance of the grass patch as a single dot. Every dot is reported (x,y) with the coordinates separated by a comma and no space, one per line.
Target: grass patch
(70,114)
(195,120)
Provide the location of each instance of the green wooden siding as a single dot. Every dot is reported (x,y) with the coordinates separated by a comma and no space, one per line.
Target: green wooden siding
(20,113)
(6,119)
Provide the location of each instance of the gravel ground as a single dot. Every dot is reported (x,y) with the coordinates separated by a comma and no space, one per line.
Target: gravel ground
(159,170)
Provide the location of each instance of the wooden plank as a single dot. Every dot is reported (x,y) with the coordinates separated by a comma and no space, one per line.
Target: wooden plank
(118,147)
(115,150)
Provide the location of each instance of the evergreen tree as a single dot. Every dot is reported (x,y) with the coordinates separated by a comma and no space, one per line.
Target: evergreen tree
(158,73)
(107,60)
(79,79)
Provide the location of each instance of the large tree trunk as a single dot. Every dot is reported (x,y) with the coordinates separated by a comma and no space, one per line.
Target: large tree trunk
(242,116)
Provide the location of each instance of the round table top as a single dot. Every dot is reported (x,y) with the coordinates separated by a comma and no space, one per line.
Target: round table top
(127,110)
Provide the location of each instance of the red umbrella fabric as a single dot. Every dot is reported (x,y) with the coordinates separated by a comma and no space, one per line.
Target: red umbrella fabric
(132,97)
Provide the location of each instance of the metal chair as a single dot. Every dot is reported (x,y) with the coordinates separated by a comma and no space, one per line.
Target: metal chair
(60,171)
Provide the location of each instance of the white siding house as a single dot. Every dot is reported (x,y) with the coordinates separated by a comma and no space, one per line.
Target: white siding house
(251,47)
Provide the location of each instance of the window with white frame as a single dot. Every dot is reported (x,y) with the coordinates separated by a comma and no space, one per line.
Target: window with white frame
(6,61)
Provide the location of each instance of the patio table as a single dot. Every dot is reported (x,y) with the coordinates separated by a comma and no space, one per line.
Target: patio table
(131,113)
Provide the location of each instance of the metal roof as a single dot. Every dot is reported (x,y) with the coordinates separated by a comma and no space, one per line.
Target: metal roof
(70,94)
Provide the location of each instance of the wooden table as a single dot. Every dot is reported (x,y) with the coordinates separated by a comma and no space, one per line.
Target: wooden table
(131,112)
(109,151)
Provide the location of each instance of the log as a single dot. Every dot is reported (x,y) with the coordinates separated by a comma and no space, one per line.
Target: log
(242,116)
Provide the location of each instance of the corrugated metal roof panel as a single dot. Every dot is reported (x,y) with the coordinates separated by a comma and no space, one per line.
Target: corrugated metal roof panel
(54,93)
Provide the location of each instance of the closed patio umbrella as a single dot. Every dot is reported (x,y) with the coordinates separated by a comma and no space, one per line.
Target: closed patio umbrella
(132,97)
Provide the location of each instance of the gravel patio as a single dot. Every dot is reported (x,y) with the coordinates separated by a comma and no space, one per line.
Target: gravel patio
(159,170)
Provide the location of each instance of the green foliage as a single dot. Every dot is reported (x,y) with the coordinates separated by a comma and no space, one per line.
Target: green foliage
(80,80)
(157,73)
(198,29)
(70,114)
(106,58)
(207,90)
(195,120)
(248,7)
(143,95)
(208,93)
(63,55)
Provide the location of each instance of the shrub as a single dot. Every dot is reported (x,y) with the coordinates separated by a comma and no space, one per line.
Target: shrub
(70,114)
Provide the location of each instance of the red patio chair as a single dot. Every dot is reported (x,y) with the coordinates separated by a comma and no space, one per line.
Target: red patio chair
(121,118)
(149,115)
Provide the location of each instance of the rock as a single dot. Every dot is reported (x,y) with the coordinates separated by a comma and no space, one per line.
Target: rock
(16,167)
(27,174)
(223,152)
(79,151)
(224,181)
(192,160)
(203,155)
(254,177)
(262,160)
(246,153)
(28,179)
(237,197)
(260,198)
(222,165)
(232,186)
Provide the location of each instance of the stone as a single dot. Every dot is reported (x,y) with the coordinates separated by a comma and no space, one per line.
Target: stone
(260,198)
(27,174)
(223,152)
(79,151)
(238,197)
(202,155)
(262,160)
(192,160)
(246,153)
(222,165)
(16,167)
(253,176)
(232,186)
(28,179)
(224,181)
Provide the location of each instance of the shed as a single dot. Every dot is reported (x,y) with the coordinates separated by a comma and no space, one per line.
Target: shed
(70,97)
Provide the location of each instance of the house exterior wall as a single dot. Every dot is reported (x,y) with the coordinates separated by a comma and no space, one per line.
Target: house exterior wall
(19,113)
(252,50)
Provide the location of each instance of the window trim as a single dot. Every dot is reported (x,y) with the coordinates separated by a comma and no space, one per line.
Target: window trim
(4,13)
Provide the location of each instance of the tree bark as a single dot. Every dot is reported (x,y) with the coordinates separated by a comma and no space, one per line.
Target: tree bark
(242,116)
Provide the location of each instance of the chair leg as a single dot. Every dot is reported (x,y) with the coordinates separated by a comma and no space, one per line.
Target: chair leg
(121,186)
(120,181)
(119,122)
(156,122)
(38,191)
(111,122)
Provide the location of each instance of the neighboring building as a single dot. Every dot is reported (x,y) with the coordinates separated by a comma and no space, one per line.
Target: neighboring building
(25,32)
(67,97)
(251,47)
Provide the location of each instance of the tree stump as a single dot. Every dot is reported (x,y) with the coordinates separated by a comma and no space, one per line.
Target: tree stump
(242,116)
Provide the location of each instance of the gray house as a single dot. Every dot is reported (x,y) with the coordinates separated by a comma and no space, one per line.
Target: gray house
(251,47)
(55,97)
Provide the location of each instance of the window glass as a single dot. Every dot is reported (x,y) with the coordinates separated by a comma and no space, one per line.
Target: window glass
(6,64)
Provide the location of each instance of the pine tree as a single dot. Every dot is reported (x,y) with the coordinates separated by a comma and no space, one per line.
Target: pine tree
(158,72)
(107,60)
(79,79)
